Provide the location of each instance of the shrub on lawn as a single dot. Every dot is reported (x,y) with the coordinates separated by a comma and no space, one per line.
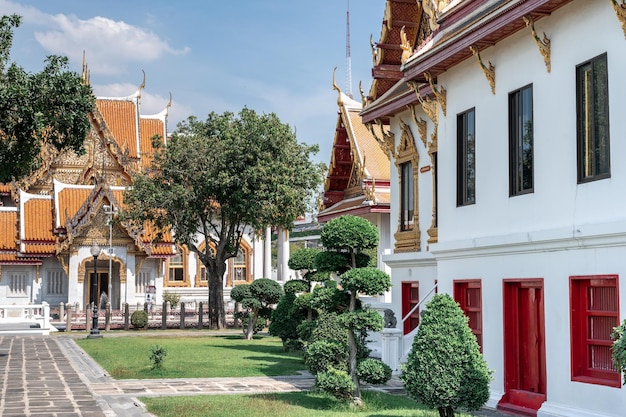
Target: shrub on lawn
(373,371)
(139,319)
(335,382)
(158,356)
(325,354)
(445,369)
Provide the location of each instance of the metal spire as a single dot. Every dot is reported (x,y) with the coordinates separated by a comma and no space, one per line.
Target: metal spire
(348,59)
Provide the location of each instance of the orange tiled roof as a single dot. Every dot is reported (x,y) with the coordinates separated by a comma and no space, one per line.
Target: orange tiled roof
(376,161)
(5,188)
(36,222)
(121,118)
(36,218)
(8,228)
(69,200)
(149,128)
(162,250)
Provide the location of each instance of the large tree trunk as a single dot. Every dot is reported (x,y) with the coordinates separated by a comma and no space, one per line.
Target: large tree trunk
(356,393)
(217,314)
(252,318)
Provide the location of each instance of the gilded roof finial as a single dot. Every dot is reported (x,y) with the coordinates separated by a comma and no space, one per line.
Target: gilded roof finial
(363,97)
(407,49)
(336,87)
(142,86)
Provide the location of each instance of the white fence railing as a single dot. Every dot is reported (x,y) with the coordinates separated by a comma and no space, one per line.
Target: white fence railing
(35,316)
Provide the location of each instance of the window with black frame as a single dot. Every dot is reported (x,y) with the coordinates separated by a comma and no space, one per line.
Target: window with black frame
(407,196)
(521,141)
(592,118)
(466,158)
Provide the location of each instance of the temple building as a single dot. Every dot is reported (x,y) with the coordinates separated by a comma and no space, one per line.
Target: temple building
(53,223)
(503,122)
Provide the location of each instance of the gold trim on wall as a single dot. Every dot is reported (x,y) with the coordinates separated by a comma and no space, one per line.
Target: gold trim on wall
(489,71)
(542,44)
(620,11)
(408,240)
(440,94)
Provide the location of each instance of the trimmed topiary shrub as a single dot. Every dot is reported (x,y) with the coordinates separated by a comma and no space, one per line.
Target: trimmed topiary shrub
(257,299)
(139,319)
(335,382)
(445,369)
(324,354)
(373,371)
(285,320)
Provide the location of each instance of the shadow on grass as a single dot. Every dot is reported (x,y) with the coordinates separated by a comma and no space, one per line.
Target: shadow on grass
(375,402)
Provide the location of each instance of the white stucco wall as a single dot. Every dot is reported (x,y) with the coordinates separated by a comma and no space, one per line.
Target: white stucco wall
(561,229)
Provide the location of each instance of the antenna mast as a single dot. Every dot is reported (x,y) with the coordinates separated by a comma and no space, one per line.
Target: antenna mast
(348,59)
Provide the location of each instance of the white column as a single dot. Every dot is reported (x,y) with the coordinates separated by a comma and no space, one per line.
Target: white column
(267,254)
(283,255)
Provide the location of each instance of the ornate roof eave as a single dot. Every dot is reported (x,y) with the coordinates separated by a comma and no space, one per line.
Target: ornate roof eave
(116,151)
(400,31)
(450,45)
(485,27)
(358,206)
(75,226)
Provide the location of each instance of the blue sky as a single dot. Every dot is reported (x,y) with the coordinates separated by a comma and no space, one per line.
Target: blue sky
(269,55)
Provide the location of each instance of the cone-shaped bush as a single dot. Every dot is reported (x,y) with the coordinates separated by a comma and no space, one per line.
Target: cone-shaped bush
(445,369)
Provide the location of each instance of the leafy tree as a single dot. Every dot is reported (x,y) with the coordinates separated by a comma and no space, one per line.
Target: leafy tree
(257,298)
(220,178)
(345,238)
(445,369)
(45,110)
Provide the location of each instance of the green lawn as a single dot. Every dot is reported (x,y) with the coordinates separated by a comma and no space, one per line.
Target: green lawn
(193,357)
(292,404)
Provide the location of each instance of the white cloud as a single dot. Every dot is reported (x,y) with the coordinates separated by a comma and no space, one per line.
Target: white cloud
(109,44)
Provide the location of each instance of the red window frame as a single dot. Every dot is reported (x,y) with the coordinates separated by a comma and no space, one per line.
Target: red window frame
(594,311)
(410,297)
(468,293)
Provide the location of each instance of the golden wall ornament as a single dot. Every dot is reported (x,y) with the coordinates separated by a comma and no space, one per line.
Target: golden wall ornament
(440,94)
(620,11)
(386,141)
(489,71)
(429,106)
(421,125)
(542,44)
(408,240)
(64,260)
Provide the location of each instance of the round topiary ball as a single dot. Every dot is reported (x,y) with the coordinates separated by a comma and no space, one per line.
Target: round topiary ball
(139,319)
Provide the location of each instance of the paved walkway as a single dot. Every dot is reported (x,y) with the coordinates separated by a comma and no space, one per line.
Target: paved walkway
(52,376)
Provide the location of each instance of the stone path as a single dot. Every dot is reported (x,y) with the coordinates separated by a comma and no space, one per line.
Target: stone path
(52,376)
